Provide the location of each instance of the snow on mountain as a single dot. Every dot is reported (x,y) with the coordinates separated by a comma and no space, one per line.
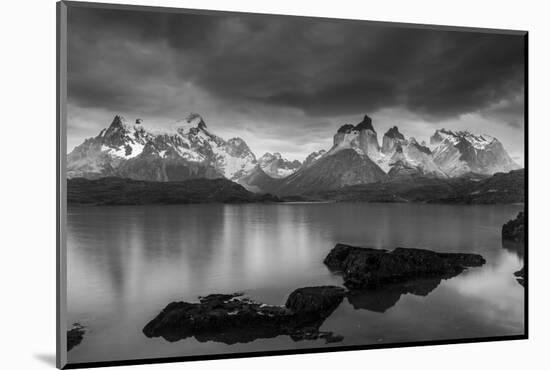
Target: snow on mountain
(452,154)
(276,166)
(362,138)
(188,151)
(192,150)
(391,139)
(414,155)
(460,152)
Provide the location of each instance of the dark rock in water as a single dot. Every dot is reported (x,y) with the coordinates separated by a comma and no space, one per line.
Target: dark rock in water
(315,300)
(75,336)
(382,299)
(371,268)
(514,229)
(231,318)
(514,247)
(521,278)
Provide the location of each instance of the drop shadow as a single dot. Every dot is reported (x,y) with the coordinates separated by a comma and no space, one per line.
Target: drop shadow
(46,358)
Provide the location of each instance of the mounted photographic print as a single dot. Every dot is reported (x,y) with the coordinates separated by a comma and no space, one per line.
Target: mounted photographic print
(234,184)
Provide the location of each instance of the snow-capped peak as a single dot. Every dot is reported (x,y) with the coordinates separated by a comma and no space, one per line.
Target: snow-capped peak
(454,137)
(267,157)
(274,165)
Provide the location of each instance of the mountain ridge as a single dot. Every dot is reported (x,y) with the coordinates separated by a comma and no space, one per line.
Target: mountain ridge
(192,150)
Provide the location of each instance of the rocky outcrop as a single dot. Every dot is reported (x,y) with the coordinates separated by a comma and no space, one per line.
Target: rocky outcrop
(392,138)
(370,268)
(75,336)
(521,278)
(361,137)
(231,318)
(514,230)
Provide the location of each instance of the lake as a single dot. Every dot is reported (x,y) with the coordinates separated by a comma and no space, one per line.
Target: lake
(126,263)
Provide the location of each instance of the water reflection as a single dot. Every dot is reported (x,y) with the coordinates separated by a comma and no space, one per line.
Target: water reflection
(381,299)
(126,262)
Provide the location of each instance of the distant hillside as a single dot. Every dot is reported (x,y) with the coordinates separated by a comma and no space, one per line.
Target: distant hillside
(501,188)
(118,191)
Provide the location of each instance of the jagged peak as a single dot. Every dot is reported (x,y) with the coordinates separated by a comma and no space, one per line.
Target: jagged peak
(345,128)
(455,137)
(418,146)
(118,121)
(193,121)
(394,133)
(365,124)
(117,126)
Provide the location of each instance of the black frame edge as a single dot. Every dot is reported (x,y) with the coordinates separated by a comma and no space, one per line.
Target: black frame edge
(289,352)
(61,94)
(526,183)
(166,9)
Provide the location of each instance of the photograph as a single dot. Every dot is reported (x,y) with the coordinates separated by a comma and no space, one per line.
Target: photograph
(238,184)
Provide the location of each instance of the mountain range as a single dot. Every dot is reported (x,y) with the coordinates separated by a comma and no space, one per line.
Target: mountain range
(191,151)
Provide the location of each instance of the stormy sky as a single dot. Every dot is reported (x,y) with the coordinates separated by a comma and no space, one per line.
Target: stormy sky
(285,84)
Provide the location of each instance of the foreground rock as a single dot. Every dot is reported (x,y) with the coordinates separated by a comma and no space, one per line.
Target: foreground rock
(371,268)
(521,276)
(514,230)
(75,336)
(231,318)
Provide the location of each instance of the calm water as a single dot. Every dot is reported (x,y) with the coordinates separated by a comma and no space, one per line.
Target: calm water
(126,263)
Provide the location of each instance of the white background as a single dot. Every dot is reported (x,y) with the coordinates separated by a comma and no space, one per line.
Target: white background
(27,137)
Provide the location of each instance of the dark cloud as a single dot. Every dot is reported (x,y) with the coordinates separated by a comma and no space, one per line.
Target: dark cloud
(124,59)
(286,83)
